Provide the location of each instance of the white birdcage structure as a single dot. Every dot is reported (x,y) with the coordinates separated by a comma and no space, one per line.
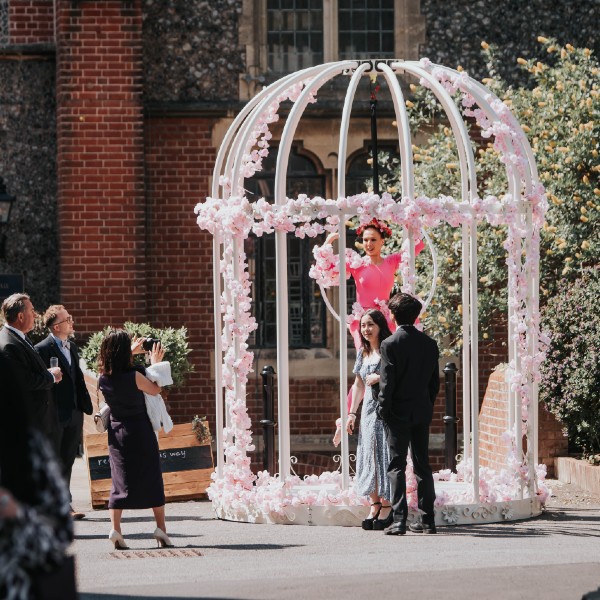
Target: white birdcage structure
(281,497)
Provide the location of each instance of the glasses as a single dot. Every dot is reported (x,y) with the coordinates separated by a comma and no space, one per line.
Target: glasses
(67,320)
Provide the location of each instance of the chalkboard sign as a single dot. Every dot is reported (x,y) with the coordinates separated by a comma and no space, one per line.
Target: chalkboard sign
(9,285)
(186,465)
(172,460)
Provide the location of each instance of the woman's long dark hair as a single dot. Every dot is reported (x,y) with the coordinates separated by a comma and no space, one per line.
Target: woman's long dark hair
(380,321)
(115,352)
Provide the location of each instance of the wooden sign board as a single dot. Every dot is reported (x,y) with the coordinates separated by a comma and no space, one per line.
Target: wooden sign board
(186,465)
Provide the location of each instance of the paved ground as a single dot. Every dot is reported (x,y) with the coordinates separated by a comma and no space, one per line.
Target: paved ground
(554,557)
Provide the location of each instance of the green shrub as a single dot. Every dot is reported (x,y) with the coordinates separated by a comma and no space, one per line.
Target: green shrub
(570,385)
(174,341)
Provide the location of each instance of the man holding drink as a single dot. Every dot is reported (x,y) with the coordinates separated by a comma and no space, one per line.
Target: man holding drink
(71,396)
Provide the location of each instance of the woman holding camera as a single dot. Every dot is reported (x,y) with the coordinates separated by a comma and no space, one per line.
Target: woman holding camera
(132,445)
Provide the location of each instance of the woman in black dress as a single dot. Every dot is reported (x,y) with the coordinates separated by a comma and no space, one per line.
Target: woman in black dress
(132,445)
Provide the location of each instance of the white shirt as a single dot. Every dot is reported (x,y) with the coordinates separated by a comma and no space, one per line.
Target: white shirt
(65,351)
(17,331)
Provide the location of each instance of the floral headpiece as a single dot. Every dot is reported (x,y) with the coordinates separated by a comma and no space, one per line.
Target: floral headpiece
(383,229)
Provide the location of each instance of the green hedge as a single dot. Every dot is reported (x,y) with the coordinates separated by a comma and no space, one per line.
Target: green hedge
(173,340)
(570,385)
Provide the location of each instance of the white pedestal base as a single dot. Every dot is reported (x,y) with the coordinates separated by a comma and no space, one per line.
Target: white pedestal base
(352,515)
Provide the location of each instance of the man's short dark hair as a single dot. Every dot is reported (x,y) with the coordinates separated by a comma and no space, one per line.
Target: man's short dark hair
(405,308)
(13,305)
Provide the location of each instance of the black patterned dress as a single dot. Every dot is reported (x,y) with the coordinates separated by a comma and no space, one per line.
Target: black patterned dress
(36,540)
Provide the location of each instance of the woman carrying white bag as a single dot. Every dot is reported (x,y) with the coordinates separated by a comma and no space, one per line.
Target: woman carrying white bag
(160,374)
(132,445)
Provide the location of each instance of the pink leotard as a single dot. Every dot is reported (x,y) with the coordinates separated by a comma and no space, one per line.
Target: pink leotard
(375,282)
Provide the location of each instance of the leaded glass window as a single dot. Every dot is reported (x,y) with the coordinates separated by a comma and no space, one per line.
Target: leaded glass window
(294,34)
(306,307)
(365,29)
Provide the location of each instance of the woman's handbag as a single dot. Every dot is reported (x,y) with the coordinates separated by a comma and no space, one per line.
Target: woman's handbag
(103,415)
(101,418)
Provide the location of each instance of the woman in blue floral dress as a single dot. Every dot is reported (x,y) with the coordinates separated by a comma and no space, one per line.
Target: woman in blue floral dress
(372,458)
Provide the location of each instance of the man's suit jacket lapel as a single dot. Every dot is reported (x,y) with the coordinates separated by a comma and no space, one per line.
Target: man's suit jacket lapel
(29,350)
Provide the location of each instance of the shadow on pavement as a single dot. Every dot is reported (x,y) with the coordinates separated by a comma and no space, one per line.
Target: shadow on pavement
(94,596)
(125,519)
(564,521)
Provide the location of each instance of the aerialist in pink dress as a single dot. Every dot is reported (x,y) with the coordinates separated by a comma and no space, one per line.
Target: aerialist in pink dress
(374,276)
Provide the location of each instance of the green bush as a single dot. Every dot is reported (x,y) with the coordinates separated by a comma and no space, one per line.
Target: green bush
(174,341)
(570,385)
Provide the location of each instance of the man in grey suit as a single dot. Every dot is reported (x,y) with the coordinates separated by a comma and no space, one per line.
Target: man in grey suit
(408,385)
(71,396)
(34,381)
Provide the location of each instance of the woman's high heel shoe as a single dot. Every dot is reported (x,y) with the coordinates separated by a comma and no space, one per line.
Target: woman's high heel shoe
(367,524)
(380,524)
(162,539)
(118,540)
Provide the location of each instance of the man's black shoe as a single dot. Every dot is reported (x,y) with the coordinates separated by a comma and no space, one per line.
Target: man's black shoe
(419,527)
(396,529)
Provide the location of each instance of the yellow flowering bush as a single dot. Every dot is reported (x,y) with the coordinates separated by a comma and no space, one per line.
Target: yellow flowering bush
(560,113)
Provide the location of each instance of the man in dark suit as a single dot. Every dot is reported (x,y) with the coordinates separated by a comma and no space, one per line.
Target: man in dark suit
(409,382)
(33,380)
(71,395)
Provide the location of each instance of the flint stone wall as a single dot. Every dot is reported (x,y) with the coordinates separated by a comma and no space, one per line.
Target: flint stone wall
(456,28)
(191,50)
(28,167)
(3,22)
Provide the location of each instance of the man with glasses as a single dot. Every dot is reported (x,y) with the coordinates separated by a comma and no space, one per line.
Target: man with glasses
(71,396)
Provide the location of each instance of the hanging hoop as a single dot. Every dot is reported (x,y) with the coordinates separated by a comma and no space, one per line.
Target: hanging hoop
(435,269)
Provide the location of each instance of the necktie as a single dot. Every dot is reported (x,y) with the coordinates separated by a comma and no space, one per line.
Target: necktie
(66,345)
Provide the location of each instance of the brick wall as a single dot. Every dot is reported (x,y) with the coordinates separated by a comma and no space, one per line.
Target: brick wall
(314,408)
(101,205)
(179,161)
(493,422)
(31,22)
(552,442)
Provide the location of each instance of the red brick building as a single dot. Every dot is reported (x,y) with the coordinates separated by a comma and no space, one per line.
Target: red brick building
(111,113)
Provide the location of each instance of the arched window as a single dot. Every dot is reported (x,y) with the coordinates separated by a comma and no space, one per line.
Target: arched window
(307,311)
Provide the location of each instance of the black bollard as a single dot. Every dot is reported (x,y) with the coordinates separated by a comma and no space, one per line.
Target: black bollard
(268,393)
(450,419)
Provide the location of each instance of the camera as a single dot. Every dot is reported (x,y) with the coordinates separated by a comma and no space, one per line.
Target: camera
(148,343)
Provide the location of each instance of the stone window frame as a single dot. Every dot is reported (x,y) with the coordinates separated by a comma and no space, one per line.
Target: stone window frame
(409,27)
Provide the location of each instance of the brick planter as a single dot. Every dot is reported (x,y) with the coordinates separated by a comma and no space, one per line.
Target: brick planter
(493,422)
(579,473)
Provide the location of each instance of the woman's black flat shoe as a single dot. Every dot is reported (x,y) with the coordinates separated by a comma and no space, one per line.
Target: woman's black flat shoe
(380,524)
(367,524)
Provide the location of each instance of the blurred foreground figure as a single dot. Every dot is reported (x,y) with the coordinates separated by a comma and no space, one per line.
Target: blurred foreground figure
(35,522)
